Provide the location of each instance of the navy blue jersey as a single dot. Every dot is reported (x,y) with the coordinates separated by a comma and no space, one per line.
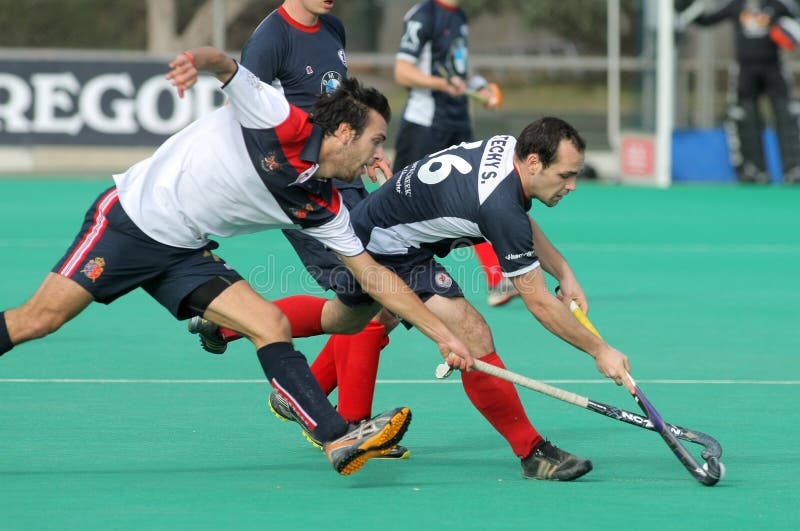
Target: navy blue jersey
(302,61)
(459,196)
(435,40)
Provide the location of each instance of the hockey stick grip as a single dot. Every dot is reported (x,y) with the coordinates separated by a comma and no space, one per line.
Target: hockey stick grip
(530,383)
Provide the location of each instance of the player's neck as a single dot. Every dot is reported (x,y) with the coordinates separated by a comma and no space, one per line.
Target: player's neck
(448,3)
(300,14)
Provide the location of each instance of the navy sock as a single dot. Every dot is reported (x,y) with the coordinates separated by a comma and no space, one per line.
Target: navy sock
(288,372)
(5,341)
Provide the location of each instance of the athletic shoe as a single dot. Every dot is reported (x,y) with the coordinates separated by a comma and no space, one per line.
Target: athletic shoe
(209,336)
(395,452)
(284,411)
(503,292)
(366,440)
(549,462)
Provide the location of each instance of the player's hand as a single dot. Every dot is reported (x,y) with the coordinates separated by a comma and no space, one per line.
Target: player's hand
(570,290)
(614,364)
(456,86)
(183,73)
(456,355)
(492,96)
(385,167)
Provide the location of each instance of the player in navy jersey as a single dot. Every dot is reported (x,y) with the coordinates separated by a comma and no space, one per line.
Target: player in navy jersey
(433,62)
(257,164)
(483,191)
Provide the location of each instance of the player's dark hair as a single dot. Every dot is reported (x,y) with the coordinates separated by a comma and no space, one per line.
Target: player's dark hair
(543,137)
(350,103)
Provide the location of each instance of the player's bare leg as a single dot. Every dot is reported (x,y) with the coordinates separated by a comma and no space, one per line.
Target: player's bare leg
(57,300)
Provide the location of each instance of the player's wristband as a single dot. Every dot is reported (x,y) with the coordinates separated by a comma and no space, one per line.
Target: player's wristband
(190,57)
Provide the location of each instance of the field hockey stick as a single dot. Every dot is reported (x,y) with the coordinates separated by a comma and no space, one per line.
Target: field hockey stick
(492,102)
(713,470)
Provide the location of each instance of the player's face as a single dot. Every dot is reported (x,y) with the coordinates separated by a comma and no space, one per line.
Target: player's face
(317,7)
(557,180)
(367,148)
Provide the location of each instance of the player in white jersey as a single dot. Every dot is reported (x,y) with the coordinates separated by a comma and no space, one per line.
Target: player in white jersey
(249,166)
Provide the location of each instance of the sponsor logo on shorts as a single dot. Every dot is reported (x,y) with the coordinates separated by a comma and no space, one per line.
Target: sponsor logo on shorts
(94,268)
(516,256)
(330,81)
(269,164)
(443,280)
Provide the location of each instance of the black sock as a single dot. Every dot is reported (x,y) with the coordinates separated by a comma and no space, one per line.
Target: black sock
(5,341)
(287,370)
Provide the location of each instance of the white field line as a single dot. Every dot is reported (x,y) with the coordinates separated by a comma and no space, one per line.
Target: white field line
(384,382)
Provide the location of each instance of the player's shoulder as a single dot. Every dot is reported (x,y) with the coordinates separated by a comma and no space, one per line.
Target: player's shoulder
(334,25)
(422,11)
(271,31)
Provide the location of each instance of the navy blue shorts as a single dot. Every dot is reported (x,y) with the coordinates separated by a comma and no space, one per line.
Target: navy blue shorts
(415,142)
(423,274)
(322,264)
(111,256)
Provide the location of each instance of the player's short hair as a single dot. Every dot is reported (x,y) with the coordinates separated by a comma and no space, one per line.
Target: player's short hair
(543,138)
(350,103)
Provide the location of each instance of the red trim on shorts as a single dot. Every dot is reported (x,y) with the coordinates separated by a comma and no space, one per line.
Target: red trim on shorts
(295,24)
(92,236)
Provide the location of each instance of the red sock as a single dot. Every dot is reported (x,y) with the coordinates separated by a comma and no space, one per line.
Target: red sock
(324,367)
(303,311)
(357,359)
(498,401)
(491,266)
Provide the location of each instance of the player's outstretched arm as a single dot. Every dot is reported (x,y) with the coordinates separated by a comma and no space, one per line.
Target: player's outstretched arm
(187,65)
(388,289)
(556,317)
(554,263)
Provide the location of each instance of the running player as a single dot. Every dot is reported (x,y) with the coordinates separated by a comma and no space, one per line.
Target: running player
(254,165)
(300,49)
(433,63)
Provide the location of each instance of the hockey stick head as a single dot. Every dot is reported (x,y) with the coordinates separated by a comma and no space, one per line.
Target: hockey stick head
(711,472)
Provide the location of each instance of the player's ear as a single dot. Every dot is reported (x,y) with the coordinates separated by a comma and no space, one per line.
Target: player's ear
(533,163)
(345,133)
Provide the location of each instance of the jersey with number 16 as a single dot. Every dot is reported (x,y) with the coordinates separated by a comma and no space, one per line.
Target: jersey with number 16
(459,196)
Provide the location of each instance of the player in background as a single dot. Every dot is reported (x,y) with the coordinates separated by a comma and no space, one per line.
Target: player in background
(762,27)
(433,63)
(256,164)
(300,49)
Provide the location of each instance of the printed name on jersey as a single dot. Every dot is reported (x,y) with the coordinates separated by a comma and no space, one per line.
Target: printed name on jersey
(269,164)
(496,163)
(330,82)
(403,183)
(342,57)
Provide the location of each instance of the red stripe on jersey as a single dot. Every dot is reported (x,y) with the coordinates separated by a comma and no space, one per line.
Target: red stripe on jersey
(295,24)
(293,133)
(334,205)
(92,236)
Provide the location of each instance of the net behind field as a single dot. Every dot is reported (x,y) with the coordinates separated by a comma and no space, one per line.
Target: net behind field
(121,421)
